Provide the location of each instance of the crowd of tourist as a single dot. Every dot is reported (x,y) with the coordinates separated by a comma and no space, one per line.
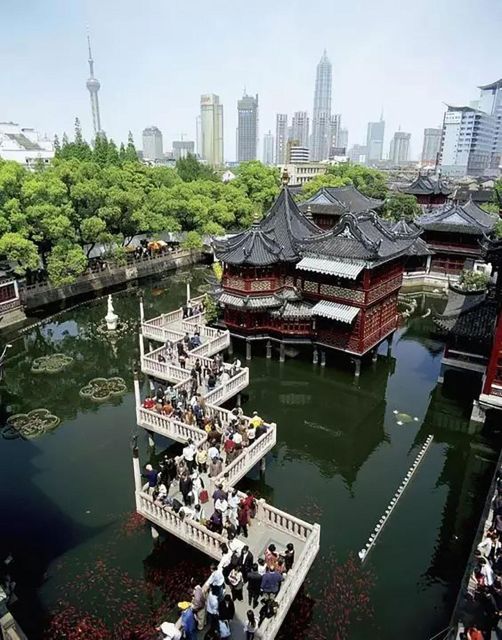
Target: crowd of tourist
(238,577)
(485,582)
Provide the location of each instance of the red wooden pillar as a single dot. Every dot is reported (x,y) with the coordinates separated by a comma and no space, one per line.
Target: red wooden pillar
(495,357)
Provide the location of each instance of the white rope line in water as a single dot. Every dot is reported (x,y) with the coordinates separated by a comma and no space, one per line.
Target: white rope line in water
(392,504)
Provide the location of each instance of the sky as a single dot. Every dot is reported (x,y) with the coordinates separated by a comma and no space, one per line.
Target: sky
(154,58)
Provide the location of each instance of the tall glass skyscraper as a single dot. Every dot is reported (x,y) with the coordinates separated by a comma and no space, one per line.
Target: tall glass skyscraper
(374,141)
(247,128)
(211,134)
(321,120)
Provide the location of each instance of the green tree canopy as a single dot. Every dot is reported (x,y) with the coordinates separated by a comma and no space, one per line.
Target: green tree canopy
(66,262)
(20,251)
(371,182)
(190,169)
(401,206)
(259,182)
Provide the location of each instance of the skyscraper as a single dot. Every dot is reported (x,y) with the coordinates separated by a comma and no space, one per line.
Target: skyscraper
(268,148)
(374,141)
(211,120)
(93,87)
(431,146)
(335,126)
(281,137)
(471,141)
(152,144)
(343,138)
(400,147)
(300,128)
(321,117)
(181,148)
(247,128)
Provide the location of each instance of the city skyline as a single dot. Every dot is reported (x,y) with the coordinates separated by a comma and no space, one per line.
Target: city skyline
(132,96)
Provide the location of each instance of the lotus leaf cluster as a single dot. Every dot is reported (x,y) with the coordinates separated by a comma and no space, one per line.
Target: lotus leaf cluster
(54,363)
(30,425)
(103,389)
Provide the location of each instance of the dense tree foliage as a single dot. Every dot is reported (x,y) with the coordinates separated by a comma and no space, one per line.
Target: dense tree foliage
(371,182)
(401,206)
(259,182)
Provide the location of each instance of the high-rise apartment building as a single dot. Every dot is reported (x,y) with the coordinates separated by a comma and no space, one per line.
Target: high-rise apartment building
(198,136)
(335,126)
(247,128)
(343,138)
(471,141)
(211,129)
(152,144)
(431,146)
(300,128)
(182,148)
(268,148)
(321,115)
(400,148)
(374,141)
(281,137)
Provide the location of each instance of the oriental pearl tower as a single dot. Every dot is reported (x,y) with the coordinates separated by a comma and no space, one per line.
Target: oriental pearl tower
(93,87)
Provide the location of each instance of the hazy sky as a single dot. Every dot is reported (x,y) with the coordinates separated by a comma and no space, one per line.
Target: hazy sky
(155,57)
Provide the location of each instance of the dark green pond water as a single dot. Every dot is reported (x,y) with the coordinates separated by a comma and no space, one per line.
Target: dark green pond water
(67,505)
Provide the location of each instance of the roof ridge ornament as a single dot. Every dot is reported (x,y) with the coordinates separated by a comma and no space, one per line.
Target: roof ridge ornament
(285,178)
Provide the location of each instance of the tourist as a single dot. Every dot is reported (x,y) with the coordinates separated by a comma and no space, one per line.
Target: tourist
(201,459)
(212,607)
(167,408)
(250,626)
(254,585)
(151,475)
(243,520)
(226,560)
(216,580)
(188,621)
(199,514)
(268,609)
(215,522)
(189,452)
(215,467)
(262,567)
(226,608)
(256,421)
(246,561)
(486,572)
(149,402)
(197,486)
(169,631)
(236,582)
(186,485)
(250,502)
(473,633)
(211,382)
(271,556)
(289,556)
(233,505)
(221,505)
(270,582)
(213,451)
(199,606)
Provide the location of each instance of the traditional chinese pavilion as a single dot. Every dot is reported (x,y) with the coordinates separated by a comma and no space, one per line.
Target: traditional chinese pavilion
(472,322)
(328,204)
(286,280)
(429,191)
(454,232)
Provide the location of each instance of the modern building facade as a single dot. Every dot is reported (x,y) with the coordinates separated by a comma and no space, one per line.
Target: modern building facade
(343,138)
(358,153)
(297,154)
(281,137)
(24,145)
(268,148)
(181,148)
(431,146)
(374,141)
(321,115)
(153,148)
(302,172)
(93,87)
(247,128)
(300,128)
(400,148)
(211,129)
(471,141)
(336,125)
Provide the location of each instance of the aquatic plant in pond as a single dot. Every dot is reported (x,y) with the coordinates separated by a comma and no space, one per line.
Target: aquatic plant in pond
(29,425)
(103,389)
(54,363)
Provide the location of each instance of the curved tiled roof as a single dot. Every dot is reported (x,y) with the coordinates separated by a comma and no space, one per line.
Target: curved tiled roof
(425,185)
(468,315)
(274,239)
(365,236)
(466,218)
(339,200)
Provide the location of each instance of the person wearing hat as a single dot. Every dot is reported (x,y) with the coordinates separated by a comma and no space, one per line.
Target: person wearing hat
(151,475)
(188,620)
(256,421)
(169,631)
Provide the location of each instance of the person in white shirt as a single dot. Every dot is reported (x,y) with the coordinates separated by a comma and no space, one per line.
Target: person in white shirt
(189,452)
(212,606)
(262,567)
(237,438)
(221,505)
(216,581)
(169,631)
(251,433)
(213,452)
(224,378)
(486,571)
(233,504)
(197,486)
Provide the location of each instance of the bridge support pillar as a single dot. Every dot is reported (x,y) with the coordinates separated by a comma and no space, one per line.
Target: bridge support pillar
(155,534)
(141,309)
(315,356)
(357,367)
(238,400)
(263,465)
(137,471)
(389,345)
(141,345)
(374,355)
(269,349)
(248,350)
(282,352)
(323,358)
(230,348)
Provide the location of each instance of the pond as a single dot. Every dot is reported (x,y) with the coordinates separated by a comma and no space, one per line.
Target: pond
(82,560)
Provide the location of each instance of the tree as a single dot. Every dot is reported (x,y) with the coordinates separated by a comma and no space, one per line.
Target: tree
(259,182)
(57,146)
(401,206)
(190,169)
(192,241)
(371,182)
(131,154)
(326,180)
(19,250)
(473,280)
(65,263)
